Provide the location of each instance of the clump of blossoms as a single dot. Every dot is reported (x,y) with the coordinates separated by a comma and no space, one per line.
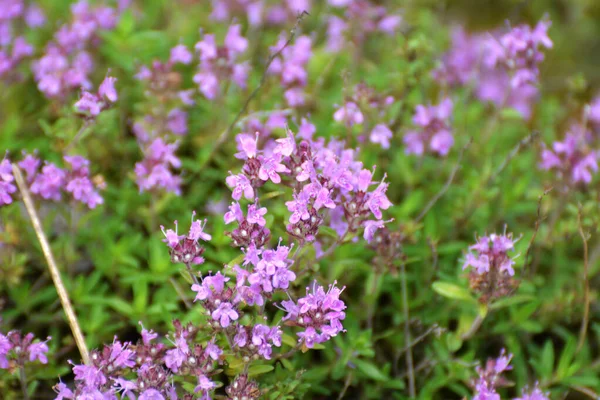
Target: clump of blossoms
(92,104)
(67,63)
(257,12)
(290,66)
(361,18)
(219,64)
(329,185)
(368,108)
(492,272)
(264,273)
(50,181)
(17,349)
(572,159)
(14,49)
(434,133)
(502,68)
(164,117)
(490,379)
(146,368)
(519,52)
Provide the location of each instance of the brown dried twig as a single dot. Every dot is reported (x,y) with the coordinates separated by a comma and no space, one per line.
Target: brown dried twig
(52,267)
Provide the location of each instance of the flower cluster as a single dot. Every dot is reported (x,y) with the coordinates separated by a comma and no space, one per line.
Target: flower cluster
(491,267)
(434,133)
(185,248)
(165,99)
(66,64)
(502,70)
(324,177)
(257,12)
(361,18)
(257,341)
(220,64)
(16,350)
(291,68)
(146,368)
(519,52)
(154,172)
(319,313)
(50,181)
(572,159)
(94,103)
(490,378)
(164,116)
(15,48)
(251,230)
(367,107)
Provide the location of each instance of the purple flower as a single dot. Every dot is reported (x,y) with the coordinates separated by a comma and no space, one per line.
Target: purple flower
(491,252)
(224,314)
(107,89)
(197,230)
(5,347)
(377,200)
(180,54)
(63,392)
(434,130)
(234,214)
(240,185)
(154,172)
(205,385)
(270,169)
(256,215)
(174,358)
(6,186)
(349,114)
(49,182)
(89,103)
(571,158)
(177,121)
(38,351)
(381,134)
(535,394)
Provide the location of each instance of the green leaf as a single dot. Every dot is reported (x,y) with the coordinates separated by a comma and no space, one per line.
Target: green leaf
(546,364)
(510,301)
(566,357)
(452,291)
(259,369)
(288,339)
(370,370)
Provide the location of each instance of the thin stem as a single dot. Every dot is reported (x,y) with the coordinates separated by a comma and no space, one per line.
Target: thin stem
(225,134)
(86,124)
(407,339)
(331,248)
(180,293)
(446,185)
(586,285)
(474,327)
(538,222)
(347,384)
(192,274)
(23,379)
(52,267)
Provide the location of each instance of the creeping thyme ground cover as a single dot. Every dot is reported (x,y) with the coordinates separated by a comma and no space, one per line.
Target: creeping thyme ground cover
(253,199)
